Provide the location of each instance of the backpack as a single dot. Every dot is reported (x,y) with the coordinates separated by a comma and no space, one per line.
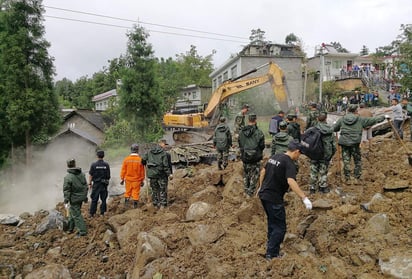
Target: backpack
(312,144)
(273,126)
(221,139)
(251,152)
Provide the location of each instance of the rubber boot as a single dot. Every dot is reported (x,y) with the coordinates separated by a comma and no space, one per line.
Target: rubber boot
(135,204)
(126,202)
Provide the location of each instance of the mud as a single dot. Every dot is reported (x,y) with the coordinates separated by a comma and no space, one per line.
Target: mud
(334,240)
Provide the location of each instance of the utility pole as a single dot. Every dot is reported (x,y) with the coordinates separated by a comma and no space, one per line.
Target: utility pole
(322,70)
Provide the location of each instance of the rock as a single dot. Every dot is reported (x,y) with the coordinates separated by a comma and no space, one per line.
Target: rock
(396,185)
(197,211)
(203,234)
(9,219)
(149,248)
(379,223)
(377,203)
(50,271)
(247,210)
(233,190)
(321,204)
(127,233)
(209,195)
(54,220)
(302,226)
(54,252)
(397,266)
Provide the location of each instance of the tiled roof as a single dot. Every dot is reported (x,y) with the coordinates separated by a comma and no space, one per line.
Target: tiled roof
(93,117)
(81,134)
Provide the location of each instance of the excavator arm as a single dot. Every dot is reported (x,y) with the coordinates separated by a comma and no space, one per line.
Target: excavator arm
(274,76)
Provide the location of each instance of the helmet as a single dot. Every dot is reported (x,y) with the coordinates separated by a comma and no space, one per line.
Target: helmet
(71,163)
(134,147)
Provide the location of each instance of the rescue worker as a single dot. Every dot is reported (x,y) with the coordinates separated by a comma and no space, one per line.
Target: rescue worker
(319,168)
(293,126)
(133,173)
(159,170)
(99,176)
(312,116)
(75,193)
(251,144)
(407,106)
(222,141)
(280,141)
(240,119)
(274,123)
(350,127)
(276,178)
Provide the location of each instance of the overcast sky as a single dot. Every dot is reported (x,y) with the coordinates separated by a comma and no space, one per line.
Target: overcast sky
(81,48)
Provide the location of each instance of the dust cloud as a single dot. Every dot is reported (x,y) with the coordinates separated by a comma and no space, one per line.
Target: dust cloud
(40,186)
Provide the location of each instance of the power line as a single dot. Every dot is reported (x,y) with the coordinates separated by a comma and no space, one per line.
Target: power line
(147,23)
(155,31)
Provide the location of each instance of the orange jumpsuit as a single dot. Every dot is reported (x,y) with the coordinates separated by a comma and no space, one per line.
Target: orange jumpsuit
(133,173)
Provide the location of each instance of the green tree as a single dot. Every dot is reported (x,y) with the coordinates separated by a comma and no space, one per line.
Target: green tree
(339,47)
(193,68)
(141,102)
(404,64)
(29,105)
(364,50)
(257,37)
(292,39)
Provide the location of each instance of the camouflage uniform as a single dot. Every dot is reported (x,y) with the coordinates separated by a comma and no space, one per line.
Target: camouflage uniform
(159,167)
(350,127)
(294,130)
(312,118)
(251,144)
(319,168)
(222,141)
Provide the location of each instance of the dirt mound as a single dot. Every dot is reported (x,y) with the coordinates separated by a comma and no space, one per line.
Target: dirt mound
(225,236)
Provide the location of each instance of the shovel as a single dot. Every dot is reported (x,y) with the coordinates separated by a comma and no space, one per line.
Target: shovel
(408,152)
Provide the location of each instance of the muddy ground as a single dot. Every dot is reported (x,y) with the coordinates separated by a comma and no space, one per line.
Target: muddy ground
(337,239)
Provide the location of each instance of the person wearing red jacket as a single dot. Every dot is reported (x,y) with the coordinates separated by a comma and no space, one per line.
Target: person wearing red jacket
(133,173)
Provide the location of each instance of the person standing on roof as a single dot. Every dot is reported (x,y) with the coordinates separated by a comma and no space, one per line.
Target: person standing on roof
(159,170)
(133,173)
(75,193)
(251,144)
(222,141)
(319,168)
(350,127)
(99,176)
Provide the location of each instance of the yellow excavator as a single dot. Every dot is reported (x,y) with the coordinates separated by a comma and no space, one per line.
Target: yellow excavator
(197,127)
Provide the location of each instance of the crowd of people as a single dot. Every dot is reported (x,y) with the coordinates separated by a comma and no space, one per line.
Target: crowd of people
(269,181)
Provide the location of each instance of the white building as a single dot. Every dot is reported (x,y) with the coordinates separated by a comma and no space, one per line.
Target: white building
(104,100)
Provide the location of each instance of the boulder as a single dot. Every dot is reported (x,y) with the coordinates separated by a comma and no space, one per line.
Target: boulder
(197,211)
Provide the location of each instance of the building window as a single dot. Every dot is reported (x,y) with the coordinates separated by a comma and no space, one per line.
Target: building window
(225,76)
(233,71)
(194,95)
(336,64)
(214,84)
(219,80)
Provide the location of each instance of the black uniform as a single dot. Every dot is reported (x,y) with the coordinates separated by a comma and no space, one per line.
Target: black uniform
(278,169)
(100,172)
